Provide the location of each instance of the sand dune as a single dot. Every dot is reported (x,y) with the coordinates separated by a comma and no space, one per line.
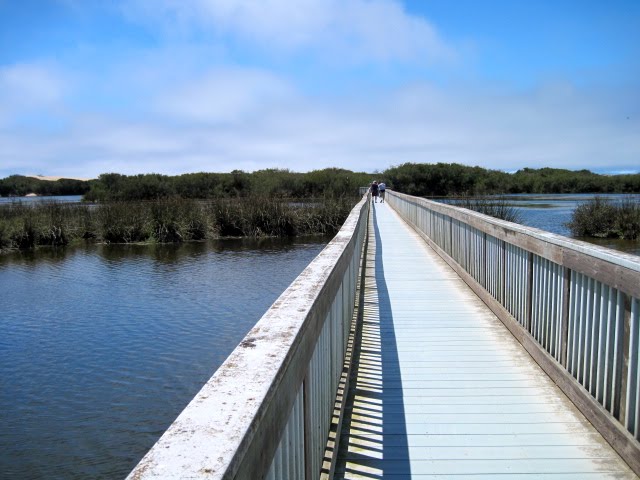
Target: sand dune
(53,179)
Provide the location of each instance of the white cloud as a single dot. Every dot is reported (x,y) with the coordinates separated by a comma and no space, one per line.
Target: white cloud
(28,87)
(225,95)
(183,104)
(31,82)
(355,31)
(247,118)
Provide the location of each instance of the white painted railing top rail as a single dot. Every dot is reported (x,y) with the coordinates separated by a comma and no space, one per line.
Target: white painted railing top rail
(577,306)
(267,411)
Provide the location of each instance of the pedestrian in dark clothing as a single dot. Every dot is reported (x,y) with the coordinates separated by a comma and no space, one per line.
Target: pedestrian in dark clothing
(374,191)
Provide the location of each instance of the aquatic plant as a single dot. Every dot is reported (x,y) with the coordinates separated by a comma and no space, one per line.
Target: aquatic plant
(55,224)
(603,218)
(123,222)
(168,220)
(25,226)
(628,219)
(498,208)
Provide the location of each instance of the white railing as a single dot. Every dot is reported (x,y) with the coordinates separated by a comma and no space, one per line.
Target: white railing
(267,411)
(576,306)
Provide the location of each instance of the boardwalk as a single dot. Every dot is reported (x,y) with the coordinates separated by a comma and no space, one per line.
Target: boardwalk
(442,389)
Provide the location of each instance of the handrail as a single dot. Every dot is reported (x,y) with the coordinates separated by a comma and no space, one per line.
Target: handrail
(574,306)
(266,412)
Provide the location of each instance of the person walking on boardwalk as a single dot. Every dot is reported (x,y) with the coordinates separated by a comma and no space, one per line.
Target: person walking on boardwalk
(381,188)
(374,191)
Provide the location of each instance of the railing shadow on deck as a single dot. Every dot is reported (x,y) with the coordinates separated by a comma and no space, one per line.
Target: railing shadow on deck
(376,428)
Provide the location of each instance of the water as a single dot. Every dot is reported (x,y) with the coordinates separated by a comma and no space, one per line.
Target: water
(61,198)
(101,347)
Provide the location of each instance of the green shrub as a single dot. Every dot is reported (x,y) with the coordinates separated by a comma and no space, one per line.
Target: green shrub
(627,220)
(603,218)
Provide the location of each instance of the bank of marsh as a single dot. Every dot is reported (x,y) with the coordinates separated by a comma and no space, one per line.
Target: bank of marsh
(172,220)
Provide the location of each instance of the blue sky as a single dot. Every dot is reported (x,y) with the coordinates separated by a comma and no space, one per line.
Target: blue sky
(177,86)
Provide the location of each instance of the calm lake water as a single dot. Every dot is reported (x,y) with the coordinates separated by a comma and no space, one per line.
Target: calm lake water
(63,198)
(101,347)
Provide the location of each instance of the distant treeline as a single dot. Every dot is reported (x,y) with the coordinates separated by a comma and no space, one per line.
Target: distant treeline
(443,179)
(331,182)
(421,179)
(19,186)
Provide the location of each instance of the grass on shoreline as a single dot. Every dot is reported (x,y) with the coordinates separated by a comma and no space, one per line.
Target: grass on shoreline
(174,220)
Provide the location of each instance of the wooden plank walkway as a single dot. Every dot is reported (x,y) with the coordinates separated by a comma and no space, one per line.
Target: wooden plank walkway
(442,390)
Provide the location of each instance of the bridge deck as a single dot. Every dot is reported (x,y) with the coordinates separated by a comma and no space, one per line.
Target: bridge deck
(441,389)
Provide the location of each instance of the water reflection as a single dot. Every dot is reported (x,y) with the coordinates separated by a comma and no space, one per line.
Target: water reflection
(43,199)
(166,253)
(102,346)
(33,257)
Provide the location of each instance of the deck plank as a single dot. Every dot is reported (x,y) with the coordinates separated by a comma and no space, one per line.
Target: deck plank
(441,389)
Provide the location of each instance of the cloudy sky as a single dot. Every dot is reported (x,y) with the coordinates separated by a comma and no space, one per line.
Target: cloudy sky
(176,86)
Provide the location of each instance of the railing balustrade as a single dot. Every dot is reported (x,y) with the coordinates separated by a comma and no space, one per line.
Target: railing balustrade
(578,301)
(266,412)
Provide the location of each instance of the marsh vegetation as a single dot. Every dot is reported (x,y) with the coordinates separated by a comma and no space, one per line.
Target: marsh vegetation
(170,220)
(603,218)
(498,208)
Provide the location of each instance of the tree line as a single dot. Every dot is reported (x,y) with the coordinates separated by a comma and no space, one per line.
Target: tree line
(421,179)
(443,179)
(274,183)
(19,186)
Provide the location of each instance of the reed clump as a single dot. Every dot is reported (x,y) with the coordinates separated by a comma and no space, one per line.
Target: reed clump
(603,218)
(23,226)
(498,208)
(178,220)
(120,222)
(172,220)
(256,218)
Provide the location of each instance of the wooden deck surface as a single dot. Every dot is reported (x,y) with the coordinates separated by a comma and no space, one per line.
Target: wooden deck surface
(442,390)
